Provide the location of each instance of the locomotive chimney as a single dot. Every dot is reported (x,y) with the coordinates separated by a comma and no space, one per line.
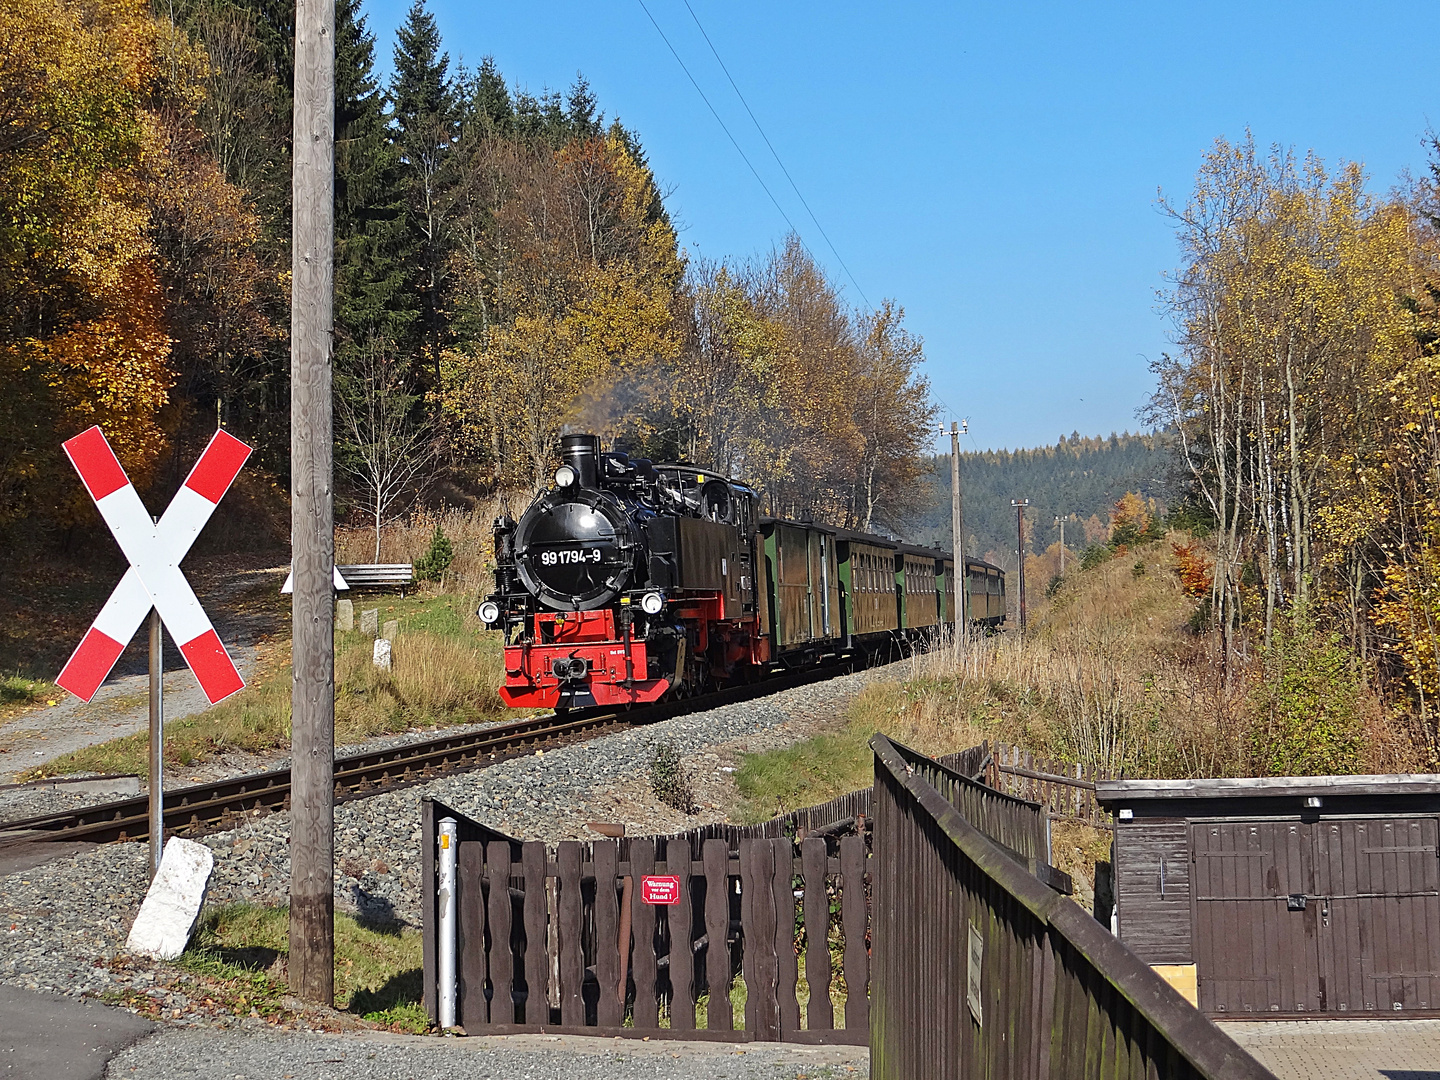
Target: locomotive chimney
(582,453)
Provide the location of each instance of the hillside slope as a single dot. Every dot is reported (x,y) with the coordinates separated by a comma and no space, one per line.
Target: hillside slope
(1077,478)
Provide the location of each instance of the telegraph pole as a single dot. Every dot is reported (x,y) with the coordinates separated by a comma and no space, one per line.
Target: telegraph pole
(957,532)
(312,510)
(1020,505)
(1061,522)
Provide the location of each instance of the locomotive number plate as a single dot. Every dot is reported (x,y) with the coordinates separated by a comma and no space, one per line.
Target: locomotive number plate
(569,555)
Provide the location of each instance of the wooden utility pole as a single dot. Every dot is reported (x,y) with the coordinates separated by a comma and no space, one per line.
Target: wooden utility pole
(957,534)
(312,510)
(1020,505)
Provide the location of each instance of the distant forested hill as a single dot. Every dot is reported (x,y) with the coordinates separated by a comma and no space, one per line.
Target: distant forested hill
(1078,478)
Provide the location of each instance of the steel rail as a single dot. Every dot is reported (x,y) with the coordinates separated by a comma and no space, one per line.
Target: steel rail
(221,804)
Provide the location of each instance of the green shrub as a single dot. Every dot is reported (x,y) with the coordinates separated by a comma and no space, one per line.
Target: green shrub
(437,560)
(1094,556)
(1308,703)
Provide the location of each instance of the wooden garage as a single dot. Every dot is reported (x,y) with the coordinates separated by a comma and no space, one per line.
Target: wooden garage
(1284,897)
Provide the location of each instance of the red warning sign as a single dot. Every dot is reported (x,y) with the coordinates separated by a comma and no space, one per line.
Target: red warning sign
(662,889)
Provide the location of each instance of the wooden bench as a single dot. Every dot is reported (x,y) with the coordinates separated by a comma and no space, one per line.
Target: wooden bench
(379,576)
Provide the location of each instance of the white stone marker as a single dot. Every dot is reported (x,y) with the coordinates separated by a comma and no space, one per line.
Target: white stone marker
(345,615)
(392,630)
(382,653)
(167,917)
(370,621)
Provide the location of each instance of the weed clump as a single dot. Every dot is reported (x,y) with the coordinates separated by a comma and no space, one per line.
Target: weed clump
(669,779)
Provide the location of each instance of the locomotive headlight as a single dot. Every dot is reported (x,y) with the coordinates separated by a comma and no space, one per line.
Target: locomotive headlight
(489,612)
(564,476)
(651,603)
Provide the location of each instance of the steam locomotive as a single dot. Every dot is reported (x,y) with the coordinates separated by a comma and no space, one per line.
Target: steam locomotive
(630,581)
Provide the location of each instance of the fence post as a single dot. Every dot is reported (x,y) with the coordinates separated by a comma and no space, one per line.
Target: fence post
(572,956)
(819,1013)
(610,1007)
(719,1014)
(681,920)
(646,966)
(786,973)
(852,914)
(502,966)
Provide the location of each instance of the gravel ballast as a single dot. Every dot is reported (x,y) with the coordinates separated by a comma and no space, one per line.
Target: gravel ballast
(64,923)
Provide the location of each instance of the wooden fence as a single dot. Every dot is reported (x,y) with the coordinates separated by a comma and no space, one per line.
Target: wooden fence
(562,941)
(1002,976)
(1066,789)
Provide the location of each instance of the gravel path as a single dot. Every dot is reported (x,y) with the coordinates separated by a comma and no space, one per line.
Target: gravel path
(63,924)
(273,1055)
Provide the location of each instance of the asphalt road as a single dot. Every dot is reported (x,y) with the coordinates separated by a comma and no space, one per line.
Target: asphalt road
(49,1037)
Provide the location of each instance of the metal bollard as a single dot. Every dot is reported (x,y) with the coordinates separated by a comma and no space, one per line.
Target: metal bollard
(448,847)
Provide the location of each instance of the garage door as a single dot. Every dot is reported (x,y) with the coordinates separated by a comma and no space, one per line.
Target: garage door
(1336,916)
(1255,949)
(1378,885)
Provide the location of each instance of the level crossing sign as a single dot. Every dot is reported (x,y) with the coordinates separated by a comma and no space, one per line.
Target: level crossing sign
(154,550)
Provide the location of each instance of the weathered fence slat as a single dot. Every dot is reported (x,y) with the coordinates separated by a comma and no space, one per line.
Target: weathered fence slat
(786,973)
(852,916)
(610,1009)
(719,1015)
(819,1013)
(643,963)
(473,1010)
(681,922)
(537,919)
(502,970)
(757,881)
(572,956)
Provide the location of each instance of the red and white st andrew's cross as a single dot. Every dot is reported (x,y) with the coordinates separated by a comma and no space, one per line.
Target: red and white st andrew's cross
(154,578)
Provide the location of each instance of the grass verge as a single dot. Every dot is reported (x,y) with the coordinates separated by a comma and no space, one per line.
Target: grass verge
(243,948)
(445,670)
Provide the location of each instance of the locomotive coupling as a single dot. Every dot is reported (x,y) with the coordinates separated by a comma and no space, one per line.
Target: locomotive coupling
(570,667)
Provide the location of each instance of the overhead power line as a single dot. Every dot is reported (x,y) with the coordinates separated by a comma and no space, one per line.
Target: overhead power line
(773,153)
(719,121)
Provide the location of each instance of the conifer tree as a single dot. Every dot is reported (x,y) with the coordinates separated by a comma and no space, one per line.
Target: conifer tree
(425,129)
(370,287)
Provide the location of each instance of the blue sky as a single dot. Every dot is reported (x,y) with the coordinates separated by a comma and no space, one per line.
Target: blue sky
(993,168)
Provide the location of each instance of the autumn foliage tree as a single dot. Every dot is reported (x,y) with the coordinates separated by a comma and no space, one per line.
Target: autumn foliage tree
(1307,407)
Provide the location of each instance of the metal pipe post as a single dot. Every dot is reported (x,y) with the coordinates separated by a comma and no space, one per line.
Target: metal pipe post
(157,744)
(448,921)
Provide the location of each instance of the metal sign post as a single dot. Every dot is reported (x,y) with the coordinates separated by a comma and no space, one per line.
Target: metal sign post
(157,750)
(153,586)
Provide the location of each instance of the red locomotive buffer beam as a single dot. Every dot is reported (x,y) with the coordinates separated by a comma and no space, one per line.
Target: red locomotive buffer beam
(578,649)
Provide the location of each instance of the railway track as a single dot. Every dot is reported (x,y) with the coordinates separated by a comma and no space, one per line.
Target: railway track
(200,808)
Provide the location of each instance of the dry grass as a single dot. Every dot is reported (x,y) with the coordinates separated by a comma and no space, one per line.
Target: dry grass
(469,531)
(1110,675)
(444,671)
